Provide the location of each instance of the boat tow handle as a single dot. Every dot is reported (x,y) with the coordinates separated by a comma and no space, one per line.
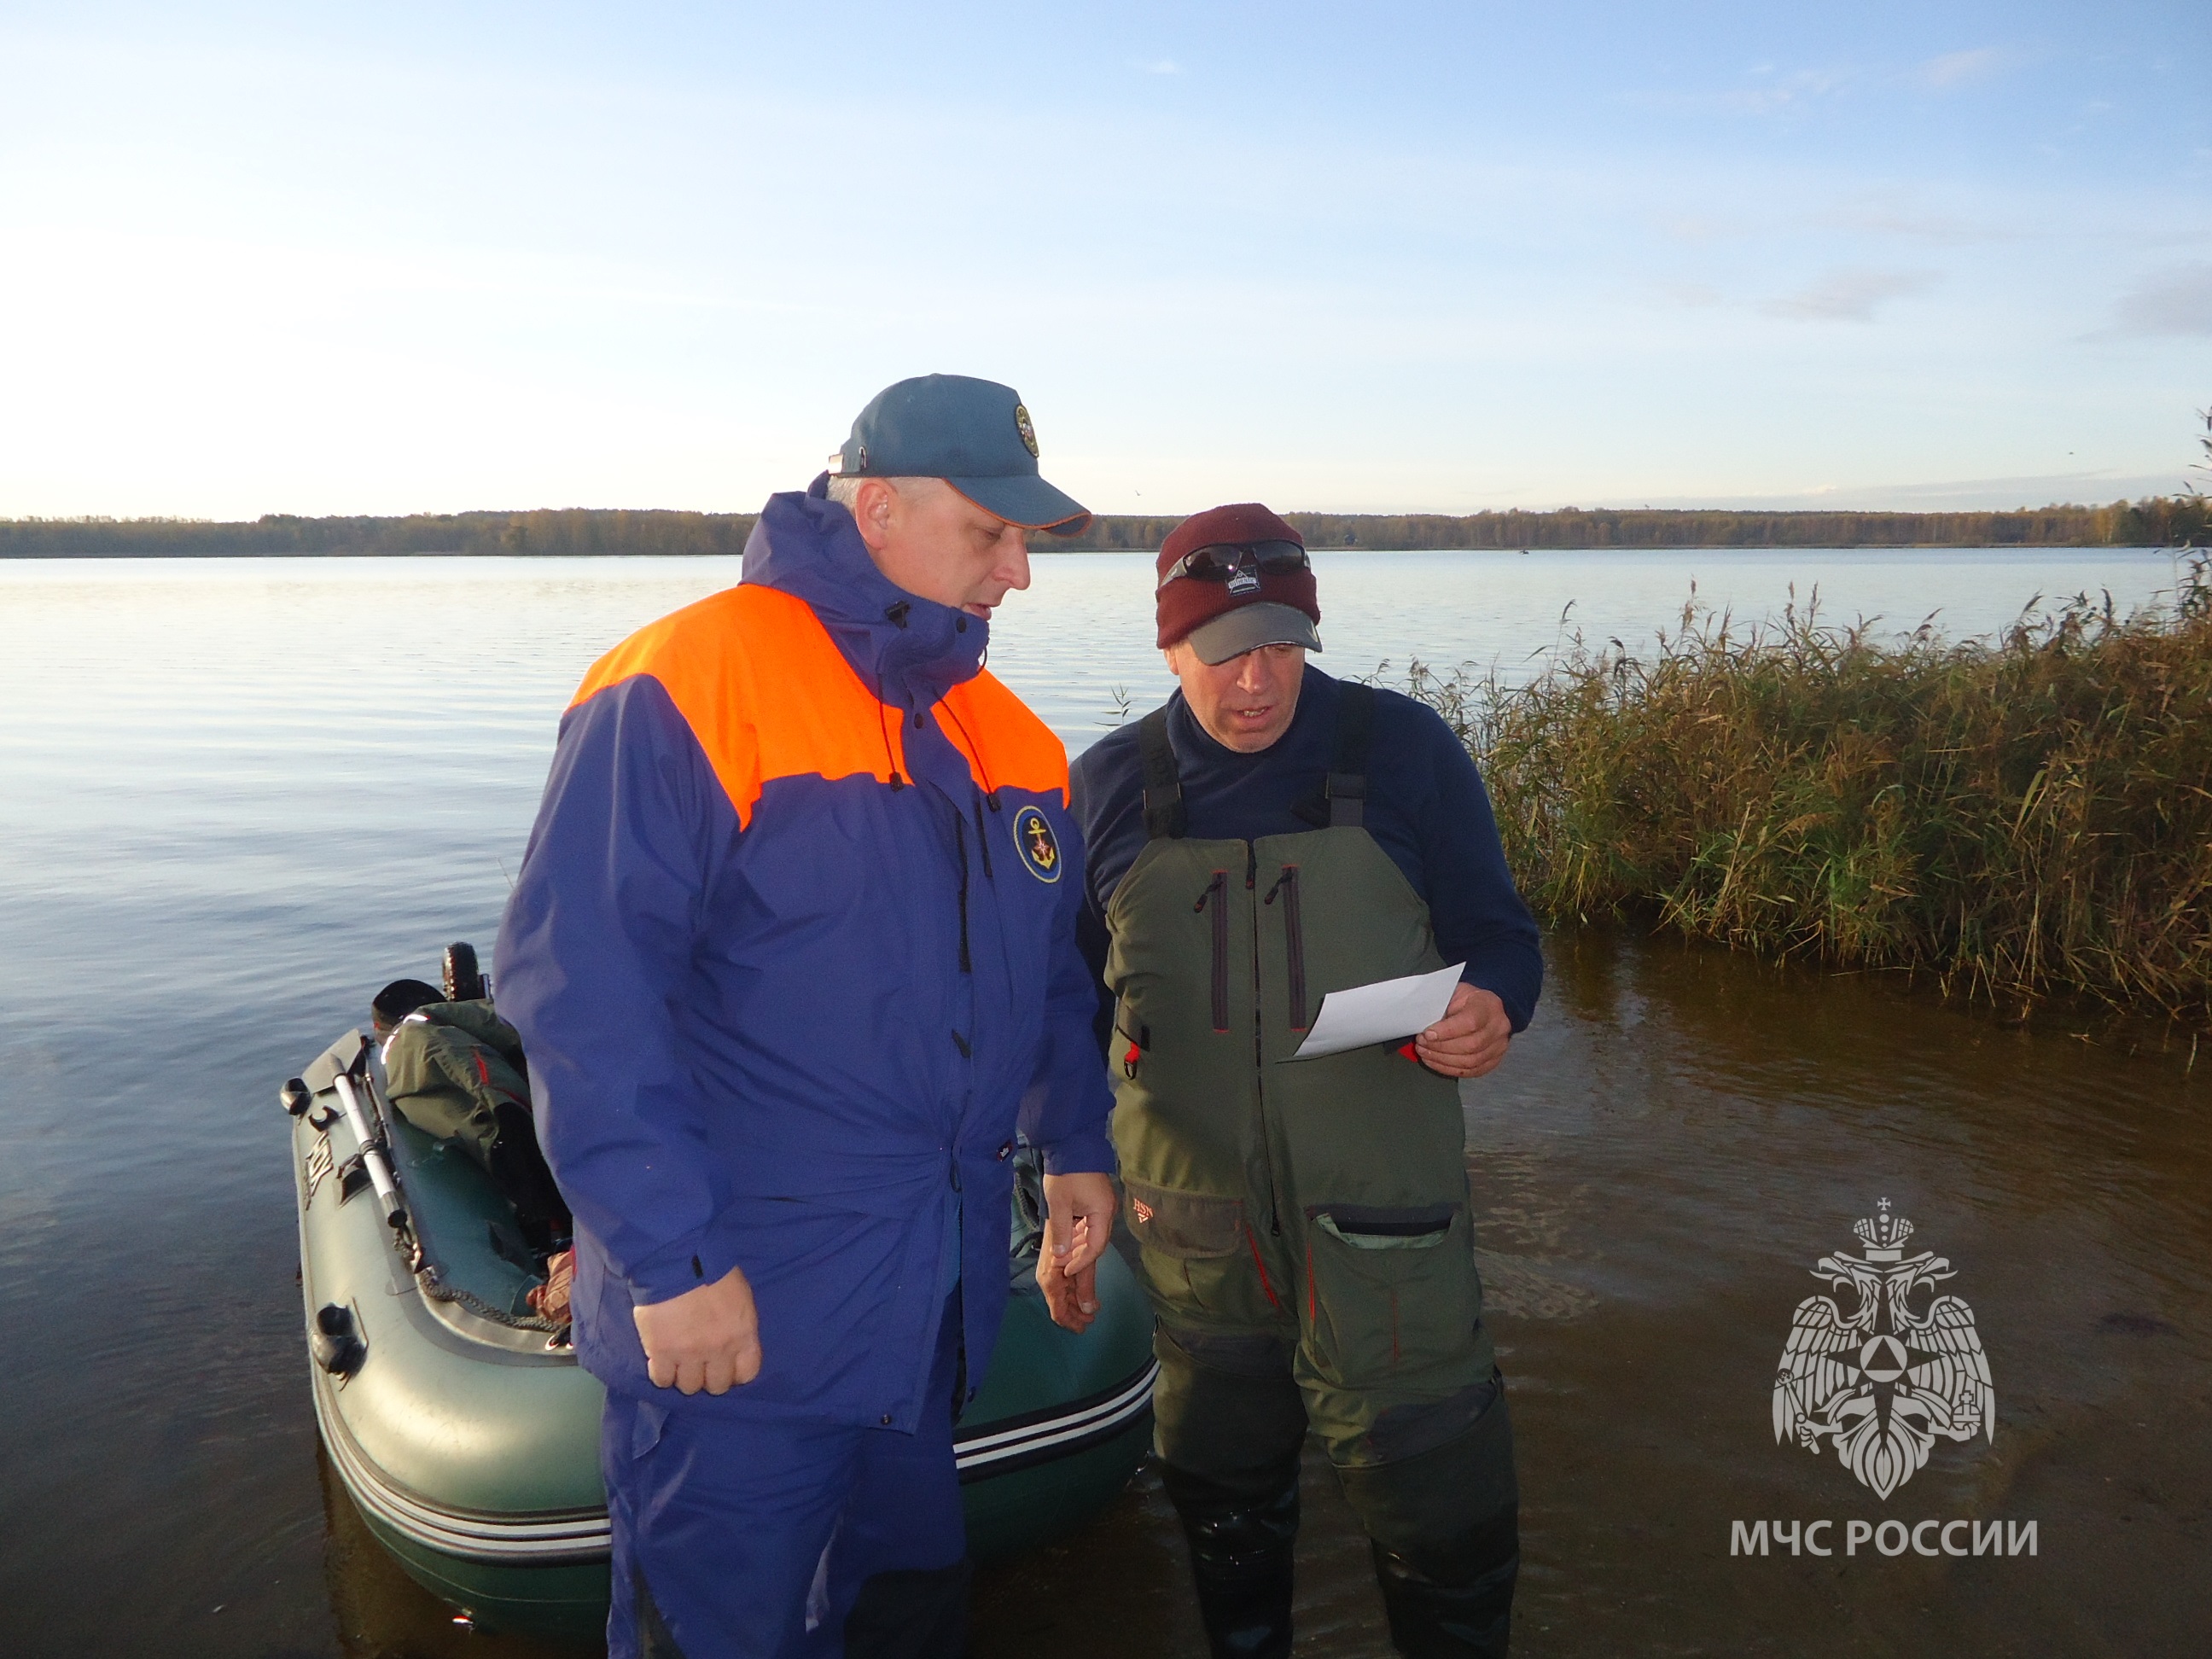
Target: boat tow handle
(335,1341)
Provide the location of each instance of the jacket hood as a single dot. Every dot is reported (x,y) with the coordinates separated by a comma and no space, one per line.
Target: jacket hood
(907,651)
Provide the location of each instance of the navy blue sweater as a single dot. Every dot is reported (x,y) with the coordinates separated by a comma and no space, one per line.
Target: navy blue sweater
(1426,807)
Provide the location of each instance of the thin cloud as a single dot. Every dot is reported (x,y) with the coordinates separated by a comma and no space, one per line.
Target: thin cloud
(1945,495)
(1847,296)
(1162,66)
(2174,301)
(1778,96)
(1956,68)
(1889,213)
(1696,228)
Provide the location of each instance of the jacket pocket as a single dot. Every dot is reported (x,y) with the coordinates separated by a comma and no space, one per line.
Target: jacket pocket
(1390,1291)
(1198,1258)
(648,1422)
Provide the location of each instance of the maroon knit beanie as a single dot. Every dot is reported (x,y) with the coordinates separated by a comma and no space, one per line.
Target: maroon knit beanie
(1184,605)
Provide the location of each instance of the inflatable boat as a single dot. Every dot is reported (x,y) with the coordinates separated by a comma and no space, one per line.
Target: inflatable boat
(465,1431)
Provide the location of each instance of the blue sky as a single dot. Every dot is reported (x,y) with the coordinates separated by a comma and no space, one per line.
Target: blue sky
(1442,257)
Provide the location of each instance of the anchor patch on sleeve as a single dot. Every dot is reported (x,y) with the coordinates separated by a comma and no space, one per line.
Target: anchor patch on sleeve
(1034,840)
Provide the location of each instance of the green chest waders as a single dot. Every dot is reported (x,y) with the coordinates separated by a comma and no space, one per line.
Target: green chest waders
(1321,1202)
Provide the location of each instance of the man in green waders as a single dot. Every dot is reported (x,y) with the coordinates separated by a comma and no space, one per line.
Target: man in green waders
(1269,835)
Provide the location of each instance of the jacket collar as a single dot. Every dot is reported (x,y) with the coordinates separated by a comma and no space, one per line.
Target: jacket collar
(907,651)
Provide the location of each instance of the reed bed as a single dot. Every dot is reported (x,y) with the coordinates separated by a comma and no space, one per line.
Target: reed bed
(2015,818)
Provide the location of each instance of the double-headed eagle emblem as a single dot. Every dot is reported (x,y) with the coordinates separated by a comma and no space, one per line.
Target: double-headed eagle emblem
(1883,1381)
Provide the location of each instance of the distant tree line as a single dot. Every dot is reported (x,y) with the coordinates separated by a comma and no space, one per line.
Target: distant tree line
(559,533)
(2157,521)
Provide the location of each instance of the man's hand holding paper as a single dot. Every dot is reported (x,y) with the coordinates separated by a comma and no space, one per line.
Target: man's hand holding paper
(1470,1039)
(1458,1029)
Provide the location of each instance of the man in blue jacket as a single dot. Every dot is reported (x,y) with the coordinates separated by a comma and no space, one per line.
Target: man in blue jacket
(1267,836)
(792,952)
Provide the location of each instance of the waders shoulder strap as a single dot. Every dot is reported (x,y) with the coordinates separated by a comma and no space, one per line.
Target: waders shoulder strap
(1163,813)
(1345,789)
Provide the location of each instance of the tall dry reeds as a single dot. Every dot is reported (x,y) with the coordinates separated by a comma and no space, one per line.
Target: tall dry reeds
(2015,818)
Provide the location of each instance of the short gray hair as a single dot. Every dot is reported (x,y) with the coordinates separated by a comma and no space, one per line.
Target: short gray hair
(845,491)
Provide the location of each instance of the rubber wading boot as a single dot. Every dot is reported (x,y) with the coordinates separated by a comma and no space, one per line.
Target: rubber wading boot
(911,1614)
(1456,1602)
(1240,1557)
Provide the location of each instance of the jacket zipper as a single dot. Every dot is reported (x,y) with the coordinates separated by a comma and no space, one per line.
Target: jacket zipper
(1217,895)
(960,834)
(982,841)
(1294,942)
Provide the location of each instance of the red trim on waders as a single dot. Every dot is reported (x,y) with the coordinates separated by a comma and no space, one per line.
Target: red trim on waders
(1252,1239)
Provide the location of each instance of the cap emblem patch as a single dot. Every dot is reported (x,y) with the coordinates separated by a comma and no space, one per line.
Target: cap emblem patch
(1034,840)
(1245,580)
(1029,433)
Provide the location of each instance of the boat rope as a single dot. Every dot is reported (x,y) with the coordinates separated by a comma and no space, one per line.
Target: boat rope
(433,1287)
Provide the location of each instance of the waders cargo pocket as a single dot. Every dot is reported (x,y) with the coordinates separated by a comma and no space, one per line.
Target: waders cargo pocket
(1389,1290)
(1198,1259)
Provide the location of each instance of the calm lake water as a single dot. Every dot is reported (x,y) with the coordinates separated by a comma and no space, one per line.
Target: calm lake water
(237,796)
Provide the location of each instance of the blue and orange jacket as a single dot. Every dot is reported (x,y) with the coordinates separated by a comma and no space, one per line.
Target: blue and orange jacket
(792,954)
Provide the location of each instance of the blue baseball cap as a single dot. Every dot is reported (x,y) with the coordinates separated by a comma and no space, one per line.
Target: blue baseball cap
(975,434)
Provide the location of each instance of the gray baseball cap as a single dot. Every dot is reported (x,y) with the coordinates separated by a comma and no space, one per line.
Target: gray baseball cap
(1251,627)
(975,434)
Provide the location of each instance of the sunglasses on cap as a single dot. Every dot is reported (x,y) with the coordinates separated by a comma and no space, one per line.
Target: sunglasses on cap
(1241,564)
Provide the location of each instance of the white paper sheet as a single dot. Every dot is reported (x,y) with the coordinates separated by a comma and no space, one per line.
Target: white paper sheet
(1389,1008)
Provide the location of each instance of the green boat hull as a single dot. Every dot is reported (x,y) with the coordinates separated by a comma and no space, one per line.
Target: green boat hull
(469,1441)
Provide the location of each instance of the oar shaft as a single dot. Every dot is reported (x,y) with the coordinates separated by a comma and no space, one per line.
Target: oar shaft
(371,1144)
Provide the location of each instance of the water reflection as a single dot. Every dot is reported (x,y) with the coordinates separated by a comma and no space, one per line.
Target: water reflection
(234,798)
(1664,1159)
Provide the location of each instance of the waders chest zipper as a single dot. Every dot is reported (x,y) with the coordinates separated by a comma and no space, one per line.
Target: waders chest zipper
(1217,895)
(1259,1063)
(1294,943)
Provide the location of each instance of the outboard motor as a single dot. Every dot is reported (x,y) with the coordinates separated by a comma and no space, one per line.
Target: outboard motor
(464,981)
